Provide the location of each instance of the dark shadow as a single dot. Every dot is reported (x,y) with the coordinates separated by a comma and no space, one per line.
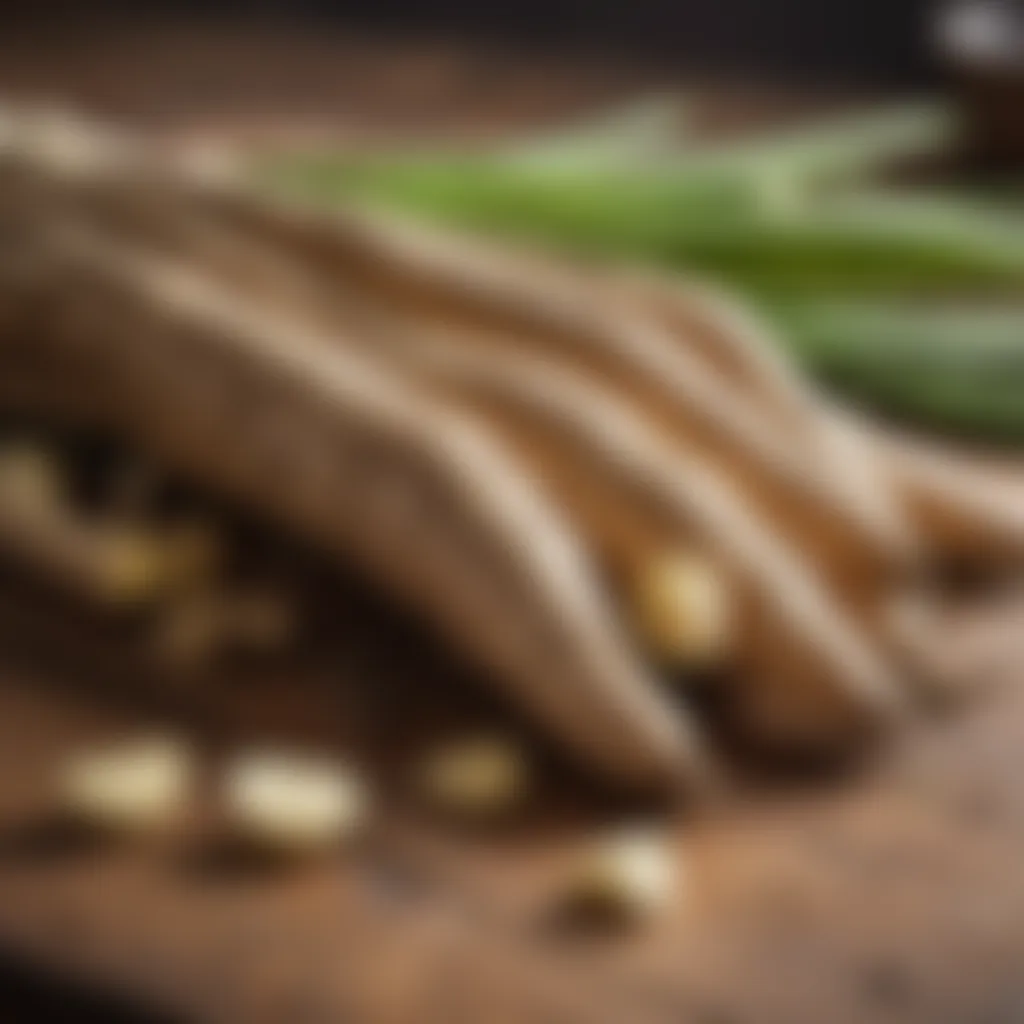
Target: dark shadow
(50,839)
(31,995)
(226,859)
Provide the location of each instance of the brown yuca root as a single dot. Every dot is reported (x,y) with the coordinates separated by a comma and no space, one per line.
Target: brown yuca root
(529,399)
(850,536)
(960,510)
(347,435)
(971,513)
(631,534)
(968,514)
(804,648)
(637,499)
(779,469)
(509,303)
(743,353)
(492,436)
(512,302)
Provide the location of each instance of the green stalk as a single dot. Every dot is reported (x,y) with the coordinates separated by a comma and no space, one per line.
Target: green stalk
(844,272)
(751,233)
(954,367)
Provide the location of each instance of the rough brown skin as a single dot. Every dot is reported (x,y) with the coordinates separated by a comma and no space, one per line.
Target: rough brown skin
(519,302)
(633,509)
(962,512)
(686,402)
(971,513)
(826,522)
(968,514)
(639,497)
(517,322)
(894,499)
(513,300)
(455,281)
(534,617)
(622,531)
(636,494)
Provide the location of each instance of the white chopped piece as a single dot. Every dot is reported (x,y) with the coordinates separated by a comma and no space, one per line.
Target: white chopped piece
(478,777)
(293,804)
(129,787)
(684,609)
(629,875)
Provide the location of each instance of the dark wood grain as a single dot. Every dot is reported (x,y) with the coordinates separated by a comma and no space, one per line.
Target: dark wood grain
(897,894)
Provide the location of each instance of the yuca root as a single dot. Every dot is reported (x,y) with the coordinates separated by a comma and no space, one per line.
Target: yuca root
(638,498)
(563,425)
(794,640)
(345,432)
(963,512)
(512,301)
(847,527)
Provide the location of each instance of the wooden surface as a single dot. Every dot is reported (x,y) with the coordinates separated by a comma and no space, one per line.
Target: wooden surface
(259,80)
(896,894)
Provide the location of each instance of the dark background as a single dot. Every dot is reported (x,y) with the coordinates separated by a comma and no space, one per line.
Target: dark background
(873,40)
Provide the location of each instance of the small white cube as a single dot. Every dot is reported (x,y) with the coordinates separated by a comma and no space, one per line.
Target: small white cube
(629,875)
(292,804)
(130,787)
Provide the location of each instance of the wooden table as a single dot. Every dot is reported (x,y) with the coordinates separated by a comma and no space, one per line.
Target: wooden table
(894,894)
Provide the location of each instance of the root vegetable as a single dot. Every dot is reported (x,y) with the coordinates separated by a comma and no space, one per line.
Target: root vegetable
(627,876)
(132,787)
(477,778)
(343,431)
(291,804)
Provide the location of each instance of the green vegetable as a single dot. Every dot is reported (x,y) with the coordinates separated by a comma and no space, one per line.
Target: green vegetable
(752,232)
(789,218)
(628,136)
(951,366)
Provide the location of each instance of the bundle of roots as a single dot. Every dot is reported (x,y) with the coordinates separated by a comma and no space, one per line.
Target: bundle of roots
(600,485)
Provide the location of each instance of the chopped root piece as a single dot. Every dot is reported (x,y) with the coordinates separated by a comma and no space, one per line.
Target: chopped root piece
(479,778)
(683,610)
(294,805)
(133,787)
(626,877)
